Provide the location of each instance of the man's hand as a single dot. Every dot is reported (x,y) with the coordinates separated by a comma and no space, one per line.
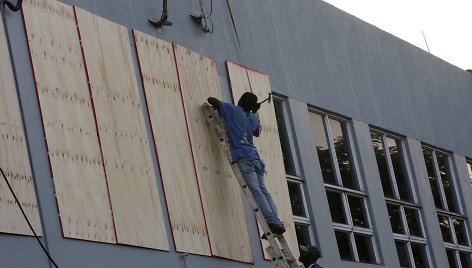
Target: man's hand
(214,102)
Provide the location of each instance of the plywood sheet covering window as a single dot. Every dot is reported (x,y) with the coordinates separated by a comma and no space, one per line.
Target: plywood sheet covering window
(122,131)
(268,144)
(14,155)
(164,102)
(68,120)
(221,195)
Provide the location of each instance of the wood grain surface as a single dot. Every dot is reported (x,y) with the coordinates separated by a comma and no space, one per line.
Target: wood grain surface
(166,112)
(126,151)
(221,196)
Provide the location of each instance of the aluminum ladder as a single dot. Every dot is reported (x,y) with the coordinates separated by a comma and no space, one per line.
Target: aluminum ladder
(280,254)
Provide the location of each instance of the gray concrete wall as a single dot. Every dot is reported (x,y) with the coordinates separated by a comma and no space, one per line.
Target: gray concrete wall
(314,54)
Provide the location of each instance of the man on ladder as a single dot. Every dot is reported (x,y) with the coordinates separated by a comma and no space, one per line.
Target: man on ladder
(242,125)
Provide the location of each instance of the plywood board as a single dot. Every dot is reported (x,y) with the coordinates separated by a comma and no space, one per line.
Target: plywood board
(221,195)
(166,112)
(14,159)
(68,120)
(122,131)
(268,144)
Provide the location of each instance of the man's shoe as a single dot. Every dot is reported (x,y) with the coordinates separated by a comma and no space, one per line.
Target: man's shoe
(279,231)
(276,229)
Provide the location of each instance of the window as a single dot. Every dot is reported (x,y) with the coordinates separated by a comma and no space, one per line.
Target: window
(451,221)
(346,199)
(402,209)
(284,138)
(295,183)
(469,169)
(300,211)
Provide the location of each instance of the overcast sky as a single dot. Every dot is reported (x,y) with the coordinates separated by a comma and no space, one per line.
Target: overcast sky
(447,24)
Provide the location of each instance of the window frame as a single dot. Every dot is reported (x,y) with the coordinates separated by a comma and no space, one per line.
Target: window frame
(345,191)
(454,246)
(305,221)
(468,164)
(290,140)
(391,173)
(402,204)
(440,183)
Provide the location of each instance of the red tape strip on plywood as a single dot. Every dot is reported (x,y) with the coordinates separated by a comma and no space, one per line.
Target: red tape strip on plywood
(221,197)
(121,127)
(68,121)
(168,124)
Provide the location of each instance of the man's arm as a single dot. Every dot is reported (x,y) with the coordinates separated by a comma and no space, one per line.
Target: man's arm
(214,102)
(256,131)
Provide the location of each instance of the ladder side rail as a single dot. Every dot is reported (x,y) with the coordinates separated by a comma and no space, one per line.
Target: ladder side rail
(287,252)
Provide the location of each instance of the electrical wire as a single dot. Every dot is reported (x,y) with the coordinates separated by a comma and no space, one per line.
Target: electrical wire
(27,220)
(12,7)
(209,16)
(211,8)
(239,42)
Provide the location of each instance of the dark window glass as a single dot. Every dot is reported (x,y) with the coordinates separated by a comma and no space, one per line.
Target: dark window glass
(341,147)
(465,259)
(358,213)
(365,249)
(459,229)
(382,164)
(336,207)
(419,255)
(445,228)
(448,188)
(451,258)
(322,148)
(303,234)
(413,220)
(395,218)
(402,251)
(344,246)
(428,159)
(286,152)
(296,199)
(394,147)
(469,168)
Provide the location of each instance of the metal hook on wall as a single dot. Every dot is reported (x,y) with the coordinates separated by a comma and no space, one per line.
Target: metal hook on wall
(165,15)
(203,19)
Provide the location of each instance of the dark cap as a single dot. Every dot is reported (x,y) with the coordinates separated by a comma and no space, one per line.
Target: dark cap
(310,249)
(247,101)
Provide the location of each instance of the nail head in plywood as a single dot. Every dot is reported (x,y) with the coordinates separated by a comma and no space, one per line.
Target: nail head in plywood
(68,120)
(14,159)
(167,117)
(130,172)
(268,145)
(220,191)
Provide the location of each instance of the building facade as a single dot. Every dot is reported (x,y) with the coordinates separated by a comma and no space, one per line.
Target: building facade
(374,134)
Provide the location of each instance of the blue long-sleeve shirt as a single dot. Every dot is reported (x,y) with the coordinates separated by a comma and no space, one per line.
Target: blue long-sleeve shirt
(241,127)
